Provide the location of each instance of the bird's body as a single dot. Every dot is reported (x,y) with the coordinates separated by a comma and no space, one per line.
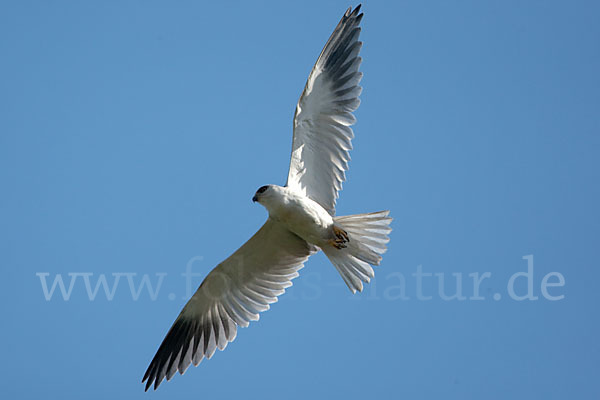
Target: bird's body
(298,213)
(301,219)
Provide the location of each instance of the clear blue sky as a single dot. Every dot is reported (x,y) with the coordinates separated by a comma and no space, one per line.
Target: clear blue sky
(133,135)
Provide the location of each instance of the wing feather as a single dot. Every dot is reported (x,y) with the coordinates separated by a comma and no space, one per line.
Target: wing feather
(322,133)
(232,295)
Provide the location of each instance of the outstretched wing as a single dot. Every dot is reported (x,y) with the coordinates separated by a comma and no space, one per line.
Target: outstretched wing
(322,133)
(231,295)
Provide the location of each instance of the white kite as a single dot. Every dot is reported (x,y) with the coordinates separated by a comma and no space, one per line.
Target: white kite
(301,219)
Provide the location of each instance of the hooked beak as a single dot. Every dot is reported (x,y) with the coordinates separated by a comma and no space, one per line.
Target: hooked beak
(254,199)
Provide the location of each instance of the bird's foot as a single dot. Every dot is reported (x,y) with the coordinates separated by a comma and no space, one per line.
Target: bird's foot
(341,238)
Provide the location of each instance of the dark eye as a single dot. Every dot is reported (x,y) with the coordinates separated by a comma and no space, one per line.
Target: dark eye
(262,189)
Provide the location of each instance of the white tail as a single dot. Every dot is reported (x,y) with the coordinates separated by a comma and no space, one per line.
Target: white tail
(368,234)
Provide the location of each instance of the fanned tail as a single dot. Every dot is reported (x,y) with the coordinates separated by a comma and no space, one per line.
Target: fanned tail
(368,234)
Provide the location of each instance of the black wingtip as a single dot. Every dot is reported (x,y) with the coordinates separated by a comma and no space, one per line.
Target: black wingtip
(146,379)
(148,382)
(350,13)
(149,379)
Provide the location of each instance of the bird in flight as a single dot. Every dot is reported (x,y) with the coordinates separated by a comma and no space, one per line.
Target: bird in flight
(301,219)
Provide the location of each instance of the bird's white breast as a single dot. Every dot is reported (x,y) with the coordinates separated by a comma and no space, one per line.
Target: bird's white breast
(303,216)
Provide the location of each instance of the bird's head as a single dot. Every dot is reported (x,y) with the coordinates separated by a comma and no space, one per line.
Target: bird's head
(262,193)
(271,197)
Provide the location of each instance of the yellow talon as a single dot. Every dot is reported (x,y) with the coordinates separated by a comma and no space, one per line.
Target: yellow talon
(341,238)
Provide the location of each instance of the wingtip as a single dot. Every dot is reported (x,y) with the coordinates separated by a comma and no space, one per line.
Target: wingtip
(352,13)
(359,18)
(150,382)
(146,379)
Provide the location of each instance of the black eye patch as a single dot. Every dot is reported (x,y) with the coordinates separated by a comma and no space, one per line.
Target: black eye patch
(262,189)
